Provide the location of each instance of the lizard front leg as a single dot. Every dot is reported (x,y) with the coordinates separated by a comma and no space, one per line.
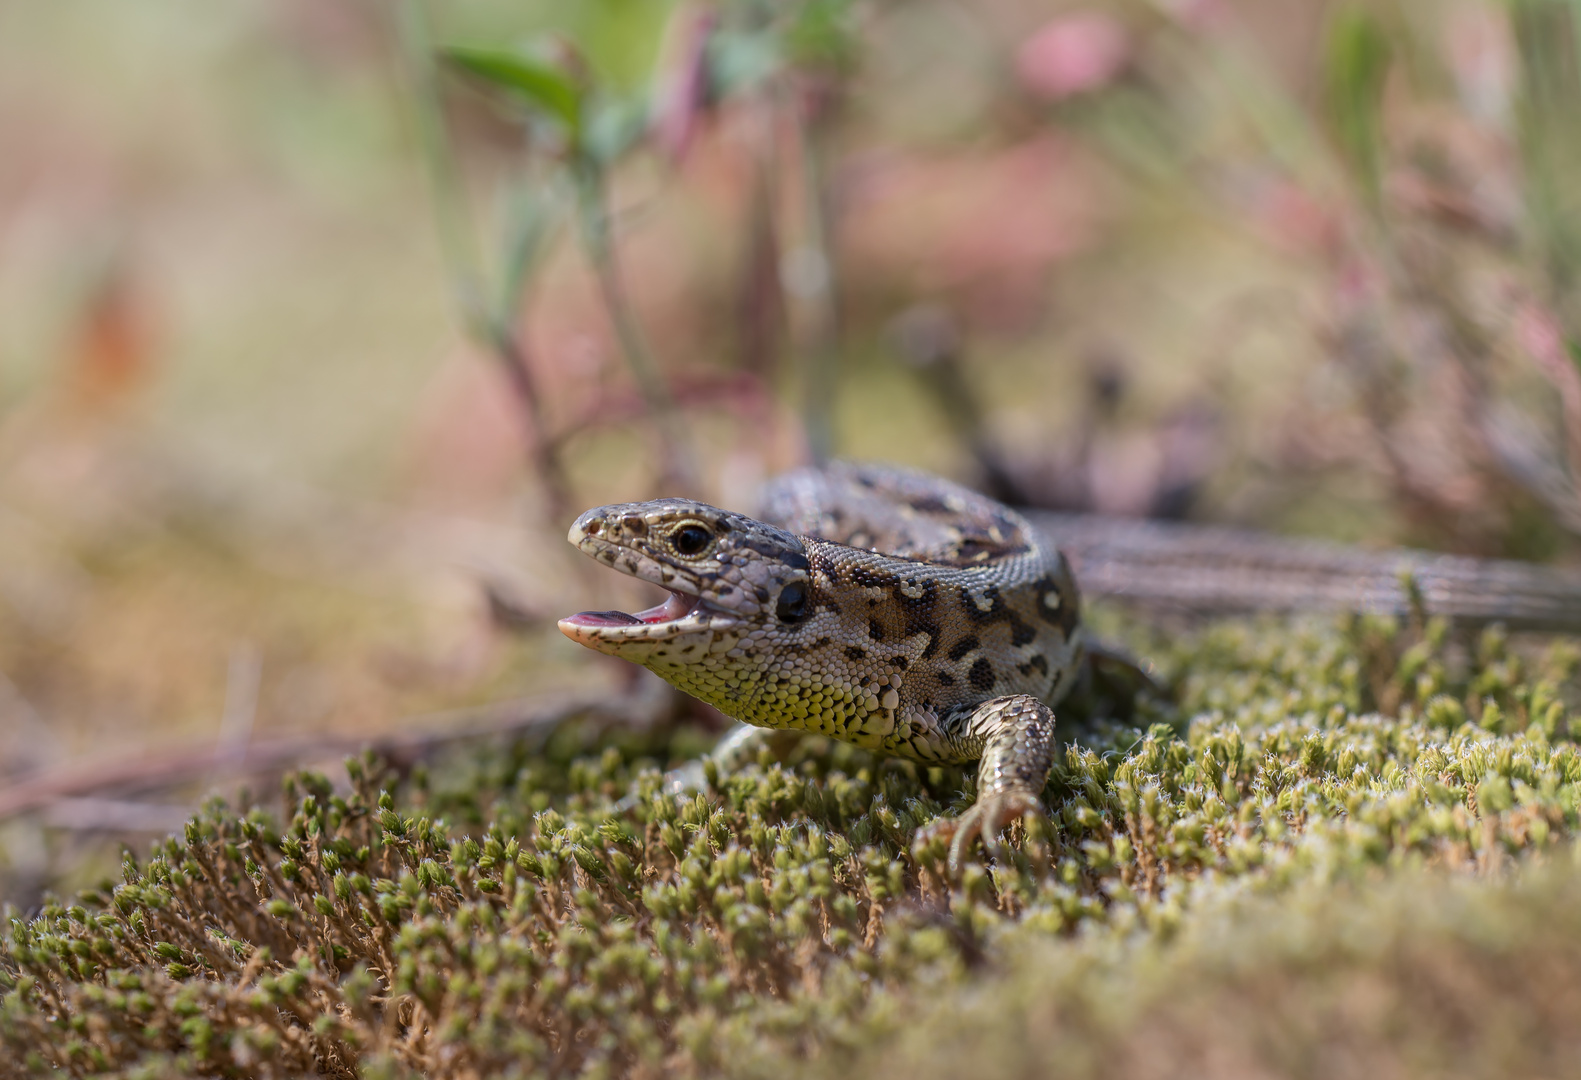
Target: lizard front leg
(739,748)
(1014,738)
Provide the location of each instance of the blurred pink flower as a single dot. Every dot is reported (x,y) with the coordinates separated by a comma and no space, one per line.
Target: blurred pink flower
(1072,55)
(981,226)
(1538,334)
(1296,220)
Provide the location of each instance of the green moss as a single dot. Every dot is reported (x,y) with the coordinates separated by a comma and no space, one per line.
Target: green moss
(1259,844)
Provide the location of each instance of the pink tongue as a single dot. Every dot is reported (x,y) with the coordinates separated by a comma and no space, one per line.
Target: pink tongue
(673,608)
(602,618)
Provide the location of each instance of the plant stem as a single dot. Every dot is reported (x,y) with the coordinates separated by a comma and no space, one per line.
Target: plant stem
(817,284)
(597,236)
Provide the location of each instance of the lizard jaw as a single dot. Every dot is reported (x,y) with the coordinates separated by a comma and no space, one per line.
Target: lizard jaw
(616,632)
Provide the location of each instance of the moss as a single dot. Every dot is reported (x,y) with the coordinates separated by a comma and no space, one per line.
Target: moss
(1215,869)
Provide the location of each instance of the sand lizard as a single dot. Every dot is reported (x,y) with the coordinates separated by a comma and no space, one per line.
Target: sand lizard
(884,607)
(906,614)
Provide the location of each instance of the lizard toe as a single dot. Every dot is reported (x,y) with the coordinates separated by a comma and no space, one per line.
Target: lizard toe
(986,819)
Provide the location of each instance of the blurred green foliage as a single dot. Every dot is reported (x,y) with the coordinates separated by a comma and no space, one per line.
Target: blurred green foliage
(1548,36)
(1358,64)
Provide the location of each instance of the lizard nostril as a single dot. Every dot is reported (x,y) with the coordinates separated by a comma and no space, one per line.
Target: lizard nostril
(594,527)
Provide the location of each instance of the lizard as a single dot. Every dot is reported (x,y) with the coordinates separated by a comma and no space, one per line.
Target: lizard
(909,615)
(881,606)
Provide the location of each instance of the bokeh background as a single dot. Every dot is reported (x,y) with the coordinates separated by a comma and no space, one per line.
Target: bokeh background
(319,321)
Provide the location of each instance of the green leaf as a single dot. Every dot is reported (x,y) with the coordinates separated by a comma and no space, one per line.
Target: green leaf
(821,35)
(1356,66)
(539,84)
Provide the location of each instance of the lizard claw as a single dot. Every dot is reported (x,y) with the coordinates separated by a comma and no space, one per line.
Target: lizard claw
(986,818)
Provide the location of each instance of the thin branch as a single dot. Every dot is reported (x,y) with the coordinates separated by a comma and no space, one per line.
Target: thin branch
(192,764)
(761,299)
(812,275)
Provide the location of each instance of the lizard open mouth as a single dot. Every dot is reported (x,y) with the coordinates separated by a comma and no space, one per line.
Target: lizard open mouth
(676,608)
(692,607)
(631,635)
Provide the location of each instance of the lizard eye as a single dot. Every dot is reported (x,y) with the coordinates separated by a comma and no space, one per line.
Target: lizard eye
(792,606)
(691,540)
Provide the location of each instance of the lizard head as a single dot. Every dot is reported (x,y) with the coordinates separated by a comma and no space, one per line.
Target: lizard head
(726,573)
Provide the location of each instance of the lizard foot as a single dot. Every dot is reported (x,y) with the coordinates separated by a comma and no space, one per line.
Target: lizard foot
(986,819)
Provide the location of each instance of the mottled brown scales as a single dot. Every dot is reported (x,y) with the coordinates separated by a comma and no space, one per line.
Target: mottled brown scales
(982,675)
(772,620)
(962,647)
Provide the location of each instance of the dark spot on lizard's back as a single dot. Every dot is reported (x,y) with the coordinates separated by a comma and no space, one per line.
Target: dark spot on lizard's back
(867,578)
(928,504)
(995,611)
(919,614)
(1056,602)
(962,647)
(982,675)
(1070,605)
(1021,632)
(821,643)
(973,549)
(945,678)
(1007,529)
(899,661)
(875,630)
(1037,664)
(854,653)
(920,608)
